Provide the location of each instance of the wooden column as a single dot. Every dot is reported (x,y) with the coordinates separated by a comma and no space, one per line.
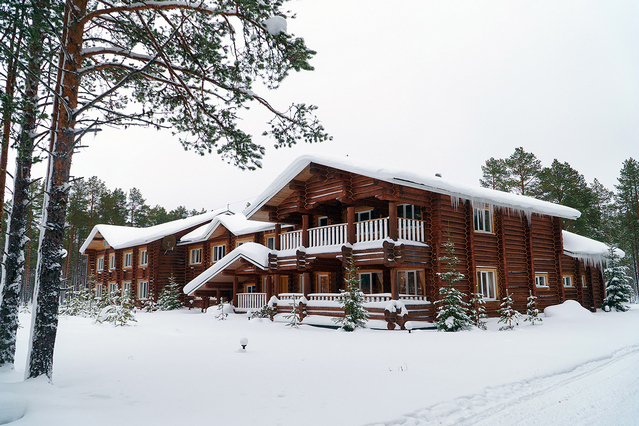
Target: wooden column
(558,249)
(530,258)
(278,231)
(392,221)
(276,285)
(217,296)
(235,286)
(306,289)
(305,222)
(350,224)
(269,287)
(503,252)
(394,284)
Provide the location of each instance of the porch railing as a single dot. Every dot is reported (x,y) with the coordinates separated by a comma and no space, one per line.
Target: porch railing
(371,230)
(410,229)
(337,297)
(290,240)
(251,300)
(328,235)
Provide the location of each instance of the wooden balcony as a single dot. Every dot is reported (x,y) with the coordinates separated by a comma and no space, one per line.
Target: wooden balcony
(250,301)
(365,231)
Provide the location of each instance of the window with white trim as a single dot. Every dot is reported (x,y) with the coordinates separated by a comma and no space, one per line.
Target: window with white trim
(567,279)
(196,256)
(113,287)
(486,284)
(128,259)
(100,263)
(126,288)
(322,283)
(112,261)
(218,253)
(143,290)
(583,281)
(364,215)
(541,280)
(322,221)
(370,282)
(144,257)
(409,211)
(411,282)
(251,289)
(482,219)
(99,291)
(270,243)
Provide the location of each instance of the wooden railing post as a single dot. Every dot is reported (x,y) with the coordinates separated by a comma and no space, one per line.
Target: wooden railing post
(278,231)
(394,286)
(305,221)
(350,224)
(392,219)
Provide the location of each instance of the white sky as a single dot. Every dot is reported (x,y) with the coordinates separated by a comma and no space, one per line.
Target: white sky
(433,86)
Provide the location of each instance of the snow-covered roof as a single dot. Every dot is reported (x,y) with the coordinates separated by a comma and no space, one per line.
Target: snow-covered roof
(254,253)
(590,251)
(237,224)
(457,191)
(120,237)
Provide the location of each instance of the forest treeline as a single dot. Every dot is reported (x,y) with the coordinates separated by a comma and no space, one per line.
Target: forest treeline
(610,215)
(91,202)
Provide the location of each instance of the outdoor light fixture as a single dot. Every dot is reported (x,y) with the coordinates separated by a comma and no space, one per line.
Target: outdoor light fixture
(243,342)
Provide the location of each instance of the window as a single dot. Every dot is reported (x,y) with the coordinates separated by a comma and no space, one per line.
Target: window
(112,261)
(567,281)
(322,283)
(126,289)
(370,282)
(250,289)
(113,288)
(583,281)
(541,280)
(270,243)
(218,252)
(144,258)
(486,284)
(143,290)
(128,259)
(99,291)
(363,215)
(322,221)
(409,211)
(239,243)
(482,218)
(196,256)
(410,282)
(100,263)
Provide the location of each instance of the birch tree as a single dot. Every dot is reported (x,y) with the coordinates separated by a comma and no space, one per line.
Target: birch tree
(187,66)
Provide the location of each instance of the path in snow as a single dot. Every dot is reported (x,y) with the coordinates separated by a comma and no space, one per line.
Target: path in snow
(602,392)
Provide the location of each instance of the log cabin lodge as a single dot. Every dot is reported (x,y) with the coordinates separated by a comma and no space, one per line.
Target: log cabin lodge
(295,241)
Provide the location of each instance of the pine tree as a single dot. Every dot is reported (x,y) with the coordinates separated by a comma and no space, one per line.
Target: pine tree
(627,202)
(477,312)
(169,298)
(221,315)
(618,288)
(352,299)
(495,175)
(452,310)
(118,309)
(293,318)
(507,315)
(532,313)
(524,169)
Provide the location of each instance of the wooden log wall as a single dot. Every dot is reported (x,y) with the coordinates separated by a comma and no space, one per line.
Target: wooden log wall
(543,243)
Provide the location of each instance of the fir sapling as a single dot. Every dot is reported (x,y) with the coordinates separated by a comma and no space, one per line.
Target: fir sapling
(507,315)
(355,315)
(169,298)
(293,318)
(618,288)
(532,313)
(452,310)
(477,311)
(221,315)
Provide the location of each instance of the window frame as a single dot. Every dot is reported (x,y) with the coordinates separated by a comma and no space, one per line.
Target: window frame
(418,278)
(127,256)
(111,261)
(195,256)
(99,264)
(100,293)
(318,282)
(402,210)
(584,284)
(215,252)
(113,287)
(485,292)
(372,274)
(143,290)
(144,257)
(482,218)
(270,243)
(126,287)
(568,278)
(544,276)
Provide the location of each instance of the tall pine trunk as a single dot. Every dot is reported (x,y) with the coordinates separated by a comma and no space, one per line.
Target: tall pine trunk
(50,252)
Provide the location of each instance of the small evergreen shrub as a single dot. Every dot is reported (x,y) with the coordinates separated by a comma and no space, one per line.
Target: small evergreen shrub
(355,315)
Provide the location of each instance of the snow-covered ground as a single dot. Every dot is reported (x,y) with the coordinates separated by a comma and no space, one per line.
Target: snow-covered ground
(185,367)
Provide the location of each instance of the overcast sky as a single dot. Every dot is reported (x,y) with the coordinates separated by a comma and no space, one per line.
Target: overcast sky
(430,86)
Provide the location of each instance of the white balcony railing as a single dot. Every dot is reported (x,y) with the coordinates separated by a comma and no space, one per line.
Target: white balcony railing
(410,229)
(328,235)
(251,300)
(290,240)
(371,230)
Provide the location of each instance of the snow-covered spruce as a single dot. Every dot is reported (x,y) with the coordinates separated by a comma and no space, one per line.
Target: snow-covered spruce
(118,309)
(532,313)
(618,288)
(293,317)
(221,315)
(507,315)
(169,298)
(452,310)
(477,311)
(352,299)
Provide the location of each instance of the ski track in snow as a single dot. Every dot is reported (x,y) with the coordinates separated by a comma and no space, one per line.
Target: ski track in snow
(563,398)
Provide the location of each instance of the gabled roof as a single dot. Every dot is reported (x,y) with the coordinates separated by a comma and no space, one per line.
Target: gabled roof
(236,224)
(120,237)
(477,195)
(591,252)
(253,253)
